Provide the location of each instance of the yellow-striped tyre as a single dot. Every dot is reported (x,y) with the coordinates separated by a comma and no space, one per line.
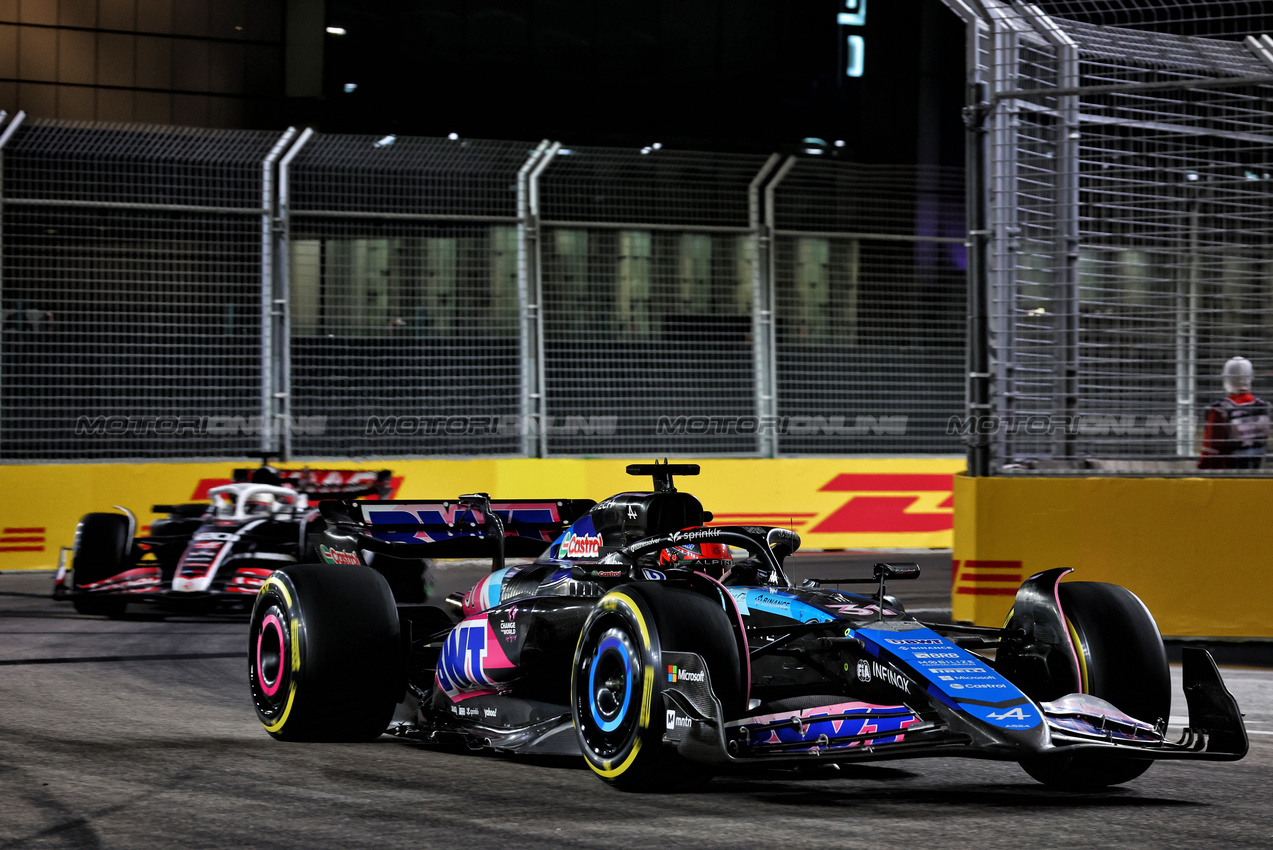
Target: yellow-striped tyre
(618,679)
(324,653)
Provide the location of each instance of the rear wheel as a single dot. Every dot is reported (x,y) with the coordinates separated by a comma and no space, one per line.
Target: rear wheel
(101,550)
(618,681)
(1122,661)
(324,653)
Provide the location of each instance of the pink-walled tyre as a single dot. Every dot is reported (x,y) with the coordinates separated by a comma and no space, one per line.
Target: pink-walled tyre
(324,653)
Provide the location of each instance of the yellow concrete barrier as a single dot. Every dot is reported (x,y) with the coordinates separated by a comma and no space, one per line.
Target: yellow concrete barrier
(834,503)
(1197,551)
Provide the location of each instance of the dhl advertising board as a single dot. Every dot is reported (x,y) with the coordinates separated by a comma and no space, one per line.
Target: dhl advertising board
(1192,549)
(833,503)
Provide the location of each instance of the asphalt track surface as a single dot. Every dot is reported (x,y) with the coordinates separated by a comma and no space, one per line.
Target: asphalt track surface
(140,733)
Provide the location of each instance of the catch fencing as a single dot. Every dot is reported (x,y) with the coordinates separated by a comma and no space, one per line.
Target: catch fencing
(1121,192)
(175,293)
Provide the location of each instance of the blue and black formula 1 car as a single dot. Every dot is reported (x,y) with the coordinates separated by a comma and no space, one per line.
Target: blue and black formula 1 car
(663,650)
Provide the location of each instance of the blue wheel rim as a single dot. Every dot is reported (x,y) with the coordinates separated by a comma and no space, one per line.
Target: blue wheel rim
(610,643)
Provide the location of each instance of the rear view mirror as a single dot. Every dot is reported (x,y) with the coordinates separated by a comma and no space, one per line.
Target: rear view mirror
(897,572)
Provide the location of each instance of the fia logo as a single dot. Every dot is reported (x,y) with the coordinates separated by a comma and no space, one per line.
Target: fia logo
(864,670)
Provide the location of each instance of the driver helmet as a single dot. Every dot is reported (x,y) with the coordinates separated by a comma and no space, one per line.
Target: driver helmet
(259,504)
(1237,375)
(710,558)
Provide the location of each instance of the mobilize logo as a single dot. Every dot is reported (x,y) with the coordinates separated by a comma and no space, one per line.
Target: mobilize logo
(676,674)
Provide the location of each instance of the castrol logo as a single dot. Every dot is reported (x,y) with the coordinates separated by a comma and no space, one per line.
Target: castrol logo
(585,546)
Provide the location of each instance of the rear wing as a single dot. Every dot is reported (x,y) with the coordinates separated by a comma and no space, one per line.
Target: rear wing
(321,484)
(471,526)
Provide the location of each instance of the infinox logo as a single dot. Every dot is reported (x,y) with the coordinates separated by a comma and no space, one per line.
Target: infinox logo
(337,556)
(677,674)
(581,546)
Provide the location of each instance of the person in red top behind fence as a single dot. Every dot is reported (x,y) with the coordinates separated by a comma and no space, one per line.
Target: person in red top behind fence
(1237,427)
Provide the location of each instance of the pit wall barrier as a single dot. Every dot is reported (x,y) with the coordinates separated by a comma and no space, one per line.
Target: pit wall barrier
(1197,551)
(833,503)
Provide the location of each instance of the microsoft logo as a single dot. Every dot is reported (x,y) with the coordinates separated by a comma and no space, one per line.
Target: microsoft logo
(676,674)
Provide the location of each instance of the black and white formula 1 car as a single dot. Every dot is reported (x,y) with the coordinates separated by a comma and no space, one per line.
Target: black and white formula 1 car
(207,555)
(664,651)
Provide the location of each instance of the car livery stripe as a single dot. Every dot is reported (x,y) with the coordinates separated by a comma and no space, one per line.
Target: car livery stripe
(956,677)
(1080,654)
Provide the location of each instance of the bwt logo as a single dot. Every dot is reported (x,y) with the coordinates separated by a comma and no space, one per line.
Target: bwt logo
(197,426)
(500,426)
(460,664)
(799,426)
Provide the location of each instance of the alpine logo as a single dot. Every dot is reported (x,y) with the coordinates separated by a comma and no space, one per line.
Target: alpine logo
(677,674)
(1017,713)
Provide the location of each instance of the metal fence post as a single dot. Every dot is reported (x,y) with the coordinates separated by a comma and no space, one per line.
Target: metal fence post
(1066,247)
(527,234)
(268,211)
(282,302)
(4,139)
(766,332)
(535,304)
(761,311)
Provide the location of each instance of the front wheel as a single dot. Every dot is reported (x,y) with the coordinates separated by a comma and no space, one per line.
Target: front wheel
(619,676)
(1122,661)
(101,551)
(324,653)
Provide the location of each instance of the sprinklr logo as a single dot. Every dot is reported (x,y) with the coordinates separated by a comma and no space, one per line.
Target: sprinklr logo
(676,674)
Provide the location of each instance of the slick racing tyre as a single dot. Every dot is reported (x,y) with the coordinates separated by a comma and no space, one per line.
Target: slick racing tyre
(618,679)
(1121,660)
(324,654)
(102,547)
